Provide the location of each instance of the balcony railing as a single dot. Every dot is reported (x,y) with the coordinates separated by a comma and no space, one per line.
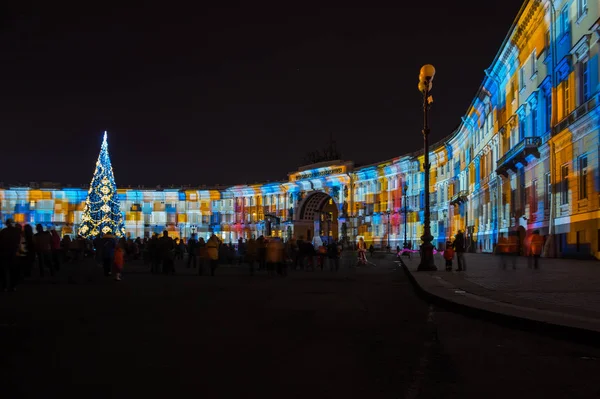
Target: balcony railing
(578,113)
(518,155)
(460,198)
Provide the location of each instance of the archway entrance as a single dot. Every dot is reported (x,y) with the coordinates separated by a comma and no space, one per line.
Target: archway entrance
(317,218)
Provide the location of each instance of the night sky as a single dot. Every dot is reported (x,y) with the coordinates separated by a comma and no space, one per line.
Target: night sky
(230,95)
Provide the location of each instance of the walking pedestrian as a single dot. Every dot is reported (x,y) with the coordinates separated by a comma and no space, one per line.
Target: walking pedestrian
(534,248)
(503,250)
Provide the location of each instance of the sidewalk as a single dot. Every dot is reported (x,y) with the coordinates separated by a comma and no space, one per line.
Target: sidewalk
(563,295)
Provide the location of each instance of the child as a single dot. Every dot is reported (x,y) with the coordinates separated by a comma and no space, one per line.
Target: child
(119,260)
(448,255)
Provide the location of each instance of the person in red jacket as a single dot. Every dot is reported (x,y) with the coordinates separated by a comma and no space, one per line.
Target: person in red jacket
(448,256)
(119,261)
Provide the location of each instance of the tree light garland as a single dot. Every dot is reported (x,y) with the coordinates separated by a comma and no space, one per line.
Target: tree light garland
(102,213)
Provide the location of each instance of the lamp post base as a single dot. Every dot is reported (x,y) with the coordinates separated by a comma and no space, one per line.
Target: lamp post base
(427,264)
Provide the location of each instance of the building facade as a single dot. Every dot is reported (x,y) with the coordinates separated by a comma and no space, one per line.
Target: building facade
(525,157)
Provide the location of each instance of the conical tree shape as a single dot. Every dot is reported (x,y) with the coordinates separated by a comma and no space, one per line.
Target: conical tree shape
(102,213)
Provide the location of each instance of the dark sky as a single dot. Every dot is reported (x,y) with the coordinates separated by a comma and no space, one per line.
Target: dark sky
(230,95)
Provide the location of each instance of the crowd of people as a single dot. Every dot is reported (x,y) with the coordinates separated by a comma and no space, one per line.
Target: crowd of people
(21,249)
(271,254)
(508,249)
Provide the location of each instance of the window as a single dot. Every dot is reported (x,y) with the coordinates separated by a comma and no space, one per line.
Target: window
(583,171)
(521,128)
(547,41)
(564,184)
(564,20)
(533,61)
(513,92)
(581,8)
(548,103)
(533,204)
(566,97)
(584,84)
(534,122)
(521,78)
(548,186)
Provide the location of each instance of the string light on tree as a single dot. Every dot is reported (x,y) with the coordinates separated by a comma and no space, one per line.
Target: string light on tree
(102,213)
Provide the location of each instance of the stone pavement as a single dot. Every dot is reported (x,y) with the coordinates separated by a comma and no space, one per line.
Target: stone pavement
(353,334)
(562,293)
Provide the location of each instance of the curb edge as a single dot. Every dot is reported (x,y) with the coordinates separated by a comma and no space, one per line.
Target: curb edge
(553,330)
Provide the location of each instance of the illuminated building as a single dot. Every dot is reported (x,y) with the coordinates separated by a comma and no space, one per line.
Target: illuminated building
(525,157)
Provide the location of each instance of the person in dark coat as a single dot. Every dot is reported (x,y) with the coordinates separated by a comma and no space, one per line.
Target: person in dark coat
(43,249)
(459,248)
(333,253)
(166,247)
(192,250)
(108,246)
(153,253)
(10,239)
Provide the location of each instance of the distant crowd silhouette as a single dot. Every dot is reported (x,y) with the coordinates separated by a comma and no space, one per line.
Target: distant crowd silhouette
(21,249)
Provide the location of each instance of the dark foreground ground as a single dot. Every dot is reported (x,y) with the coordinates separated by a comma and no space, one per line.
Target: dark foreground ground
(356,334)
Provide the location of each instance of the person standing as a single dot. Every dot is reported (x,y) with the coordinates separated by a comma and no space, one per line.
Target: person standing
(43,249)
(119,260)
(55,249)
(309,254)
(362,252)
(166,249)
(262,252)
(109,244)
(9,247)
(202,255)
(251,254)
(333,253)
(448,256)
(321,254)
(459,248)
(212,249)
(503,250)
(274,256)
(300,255)
(28,247)
(192,250)
(154,254)
(536,243)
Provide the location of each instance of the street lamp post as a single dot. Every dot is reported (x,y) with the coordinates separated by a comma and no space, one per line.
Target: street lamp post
(405,189)
(388,229)
(425,83)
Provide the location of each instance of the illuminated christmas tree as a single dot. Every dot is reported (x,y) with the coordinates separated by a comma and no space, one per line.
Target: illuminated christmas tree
(102,213)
